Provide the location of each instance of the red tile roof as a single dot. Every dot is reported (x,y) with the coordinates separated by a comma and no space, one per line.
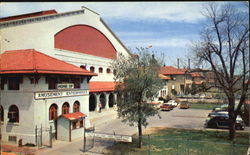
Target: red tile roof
(31,61)
(29,15)
(195,74)
(74,116)
(164,77)
(101,86)
(198,82)
(169,70)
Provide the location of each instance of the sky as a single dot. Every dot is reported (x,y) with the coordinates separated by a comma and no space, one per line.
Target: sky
(169,27)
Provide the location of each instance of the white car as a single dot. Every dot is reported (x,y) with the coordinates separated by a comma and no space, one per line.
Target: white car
(172,102)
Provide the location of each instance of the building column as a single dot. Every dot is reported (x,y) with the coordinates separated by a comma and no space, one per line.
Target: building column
(106,100)
(97,101)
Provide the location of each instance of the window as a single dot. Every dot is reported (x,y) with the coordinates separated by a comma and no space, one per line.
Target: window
(13,114)
(81,124)
(53,112)
(92,69)
(65,108)
(77,124)
(76,82)
(108,70)
(83,67)
(76,106)
(2,83)
(2,113)
(74,125)
(52,82)
(100,70)
(13,83)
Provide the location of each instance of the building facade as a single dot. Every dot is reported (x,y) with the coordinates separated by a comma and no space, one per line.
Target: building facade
(79,38)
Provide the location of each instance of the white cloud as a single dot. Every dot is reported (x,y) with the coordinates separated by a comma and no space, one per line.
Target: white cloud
(171,11)
(159,42)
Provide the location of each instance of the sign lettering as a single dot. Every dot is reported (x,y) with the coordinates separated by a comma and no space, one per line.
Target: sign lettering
(55,94)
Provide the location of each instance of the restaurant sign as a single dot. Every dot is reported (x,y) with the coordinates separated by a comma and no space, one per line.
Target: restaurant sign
(56,94)
(65,86)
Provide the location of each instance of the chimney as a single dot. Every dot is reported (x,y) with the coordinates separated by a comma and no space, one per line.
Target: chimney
(178,63)
(188,63)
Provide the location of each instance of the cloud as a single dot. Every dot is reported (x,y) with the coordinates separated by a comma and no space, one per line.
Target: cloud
(170,11)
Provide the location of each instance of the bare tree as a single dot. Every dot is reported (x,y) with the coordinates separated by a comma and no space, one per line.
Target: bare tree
(224,45)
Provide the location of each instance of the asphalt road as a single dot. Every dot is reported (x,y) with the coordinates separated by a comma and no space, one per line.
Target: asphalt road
(107,122)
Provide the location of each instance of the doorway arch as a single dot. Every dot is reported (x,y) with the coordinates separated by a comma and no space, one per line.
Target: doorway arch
(103,100)
(92,102)
(111,100)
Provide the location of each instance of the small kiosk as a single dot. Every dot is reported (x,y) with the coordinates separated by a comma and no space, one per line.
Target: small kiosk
(70,126)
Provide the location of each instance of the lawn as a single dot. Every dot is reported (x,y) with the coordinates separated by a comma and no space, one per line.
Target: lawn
(205,106)
(180,141)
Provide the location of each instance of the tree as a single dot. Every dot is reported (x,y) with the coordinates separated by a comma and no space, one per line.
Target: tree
(224,45)
(139,83)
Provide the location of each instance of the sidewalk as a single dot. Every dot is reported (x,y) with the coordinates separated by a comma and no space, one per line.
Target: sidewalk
(14,149)
(98,118)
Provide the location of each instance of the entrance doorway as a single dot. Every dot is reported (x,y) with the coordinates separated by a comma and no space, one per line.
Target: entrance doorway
(92,102)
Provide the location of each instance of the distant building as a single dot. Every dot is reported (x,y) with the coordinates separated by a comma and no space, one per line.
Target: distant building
(179,80)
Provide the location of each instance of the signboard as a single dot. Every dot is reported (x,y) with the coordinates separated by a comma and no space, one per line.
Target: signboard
(56,94)
(120,138)
(65,86)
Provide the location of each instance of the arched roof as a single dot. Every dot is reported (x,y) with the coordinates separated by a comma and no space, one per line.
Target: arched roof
(85,39)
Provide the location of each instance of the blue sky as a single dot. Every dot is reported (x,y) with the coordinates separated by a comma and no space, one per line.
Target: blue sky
(169,27)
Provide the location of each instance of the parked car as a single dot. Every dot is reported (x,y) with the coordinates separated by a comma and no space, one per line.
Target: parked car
(172,102)
(221,108)
(217,113)
(221,120)
(184,105)
(166,107)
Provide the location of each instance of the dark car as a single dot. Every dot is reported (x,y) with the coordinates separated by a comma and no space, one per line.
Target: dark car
(221,121)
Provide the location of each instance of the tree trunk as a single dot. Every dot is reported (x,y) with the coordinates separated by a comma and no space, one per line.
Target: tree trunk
(232,119)
(140,133)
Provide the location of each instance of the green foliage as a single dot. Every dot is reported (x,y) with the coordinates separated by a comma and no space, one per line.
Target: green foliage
(139,84)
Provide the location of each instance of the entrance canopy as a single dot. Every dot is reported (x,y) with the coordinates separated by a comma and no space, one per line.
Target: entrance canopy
(74,116)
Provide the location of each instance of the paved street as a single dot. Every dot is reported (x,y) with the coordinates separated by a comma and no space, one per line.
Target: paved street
(107,122)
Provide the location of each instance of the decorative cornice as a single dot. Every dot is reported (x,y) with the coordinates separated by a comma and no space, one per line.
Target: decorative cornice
(38,19)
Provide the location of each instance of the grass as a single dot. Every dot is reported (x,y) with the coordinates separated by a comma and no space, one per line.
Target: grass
(205,106)
(180,141)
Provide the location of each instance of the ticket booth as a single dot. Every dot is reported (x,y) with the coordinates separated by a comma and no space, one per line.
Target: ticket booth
(70,126)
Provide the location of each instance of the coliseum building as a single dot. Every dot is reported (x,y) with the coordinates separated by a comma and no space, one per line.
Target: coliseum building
(55,70)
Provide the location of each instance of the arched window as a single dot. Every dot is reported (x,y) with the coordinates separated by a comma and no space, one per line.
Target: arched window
(65,108)
(100,70)
(92,69)
(1,111)
(53,112)
(13,114)
(108,70)
(83,67)
(76,107)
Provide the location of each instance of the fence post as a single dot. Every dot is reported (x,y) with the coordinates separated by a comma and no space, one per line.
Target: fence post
(84,141)
(41,137)
(114,134)
(50,136)
(149,145)
(36,135)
